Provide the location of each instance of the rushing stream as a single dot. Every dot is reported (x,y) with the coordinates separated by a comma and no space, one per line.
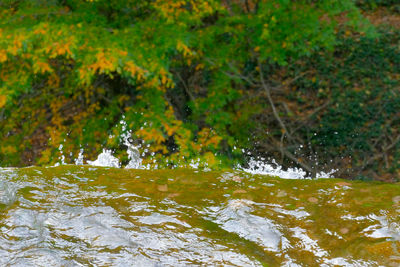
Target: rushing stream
(95,216)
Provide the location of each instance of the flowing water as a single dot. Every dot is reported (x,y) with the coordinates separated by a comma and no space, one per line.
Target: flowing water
(96,216)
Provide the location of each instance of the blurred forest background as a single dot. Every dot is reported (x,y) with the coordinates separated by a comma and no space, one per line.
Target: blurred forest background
(311,84)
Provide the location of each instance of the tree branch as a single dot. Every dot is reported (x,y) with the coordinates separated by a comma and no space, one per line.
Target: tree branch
(192,98)
(385,149)
(267,90)
(292,157)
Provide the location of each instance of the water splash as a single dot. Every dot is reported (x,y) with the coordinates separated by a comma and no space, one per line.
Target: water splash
(79,160)
(105,159)
(135,162)
(135,154)
(62,158)
(260,166)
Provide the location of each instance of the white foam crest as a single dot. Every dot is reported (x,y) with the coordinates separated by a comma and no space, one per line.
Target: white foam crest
(62,158)
(135,154)
(135,161)
(262,167)
(194,164)
(105,159)
(79,159)
(328,174)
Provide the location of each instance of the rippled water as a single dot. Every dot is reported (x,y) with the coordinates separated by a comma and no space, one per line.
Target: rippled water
(92,216)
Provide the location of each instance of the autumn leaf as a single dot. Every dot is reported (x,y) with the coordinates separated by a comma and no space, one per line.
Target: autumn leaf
(3,100)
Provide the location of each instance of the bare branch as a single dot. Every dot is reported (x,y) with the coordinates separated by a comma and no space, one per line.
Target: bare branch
(292,157)
(192,98)
(383,153)
(315,111)
(267,90)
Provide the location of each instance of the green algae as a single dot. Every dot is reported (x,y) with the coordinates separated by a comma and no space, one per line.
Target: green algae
(221,218)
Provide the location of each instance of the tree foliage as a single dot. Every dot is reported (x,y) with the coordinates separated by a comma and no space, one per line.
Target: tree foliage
(191,78)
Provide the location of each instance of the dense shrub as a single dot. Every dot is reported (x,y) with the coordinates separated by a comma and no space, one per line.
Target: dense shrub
(348,102)
(393,5)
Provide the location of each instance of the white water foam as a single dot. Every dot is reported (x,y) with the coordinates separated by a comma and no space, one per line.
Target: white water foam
(105,159)
(274,169)
(62,158)
(135,162)
(79,160)
(255,166)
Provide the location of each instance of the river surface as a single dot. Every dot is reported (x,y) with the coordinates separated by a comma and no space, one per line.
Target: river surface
(93,216)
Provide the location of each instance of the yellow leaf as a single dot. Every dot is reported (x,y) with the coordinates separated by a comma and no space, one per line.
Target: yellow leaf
(3,100)
(3,56)
(9,149)
(41,67)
